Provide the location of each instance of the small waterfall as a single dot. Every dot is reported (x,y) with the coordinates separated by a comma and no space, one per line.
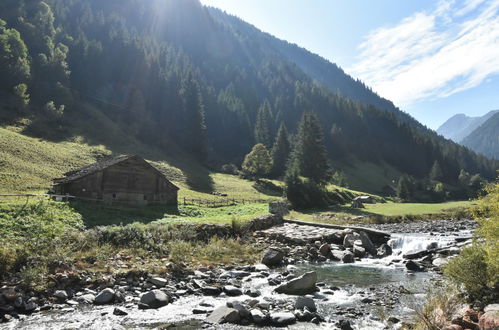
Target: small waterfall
(410,243)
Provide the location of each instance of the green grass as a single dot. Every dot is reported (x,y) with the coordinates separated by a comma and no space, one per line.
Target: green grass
(366,176)
(390,211)
(399,209)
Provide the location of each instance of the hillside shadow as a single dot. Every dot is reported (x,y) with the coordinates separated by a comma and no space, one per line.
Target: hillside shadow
(97,214)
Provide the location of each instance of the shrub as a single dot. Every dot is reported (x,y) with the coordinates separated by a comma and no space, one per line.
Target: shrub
(469,270)
(440,306)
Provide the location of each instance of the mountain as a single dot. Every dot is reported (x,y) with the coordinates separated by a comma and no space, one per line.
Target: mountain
(485,139)
(459,126)
(176,75)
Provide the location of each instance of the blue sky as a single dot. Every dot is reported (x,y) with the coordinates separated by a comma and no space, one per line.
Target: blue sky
(433,59)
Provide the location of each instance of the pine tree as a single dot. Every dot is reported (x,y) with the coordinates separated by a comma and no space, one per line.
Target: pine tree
(310,152)
(258,162)
(280,151)
(436,173)
(194,135)
(263,131)
(404,188)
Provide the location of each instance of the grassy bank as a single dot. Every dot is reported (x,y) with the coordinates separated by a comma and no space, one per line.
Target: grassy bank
(385,212)
(44,238)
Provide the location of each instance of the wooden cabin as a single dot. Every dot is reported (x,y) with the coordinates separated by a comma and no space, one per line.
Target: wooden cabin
(123,180)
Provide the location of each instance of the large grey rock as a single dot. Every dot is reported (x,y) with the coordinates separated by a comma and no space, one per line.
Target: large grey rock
(359,251)
(61,295)
(413,266)
(305,302)
(272,257)
(282,319)
(258,316)
(106,296)
(348,257)
(88,298)
(224,314)
(325,249)
(384,251)
(158,281)
(155,299)
(439,262)
(489,320)
(232,290)
(301,285)
(350,238)
(367,243)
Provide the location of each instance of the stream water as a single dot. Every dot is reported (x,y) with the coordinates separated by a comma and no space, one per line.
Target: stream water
(365,292)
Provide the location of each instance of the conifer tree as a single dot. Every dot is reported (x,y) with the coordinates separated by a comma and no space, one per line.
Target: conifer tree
(280,151)
(193,118)
(263,131)
(436,173)
(310,152)
(404,188)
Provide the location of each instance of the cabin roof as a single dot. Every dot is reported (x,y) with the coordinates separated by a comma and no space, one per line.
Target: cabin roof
(99,166)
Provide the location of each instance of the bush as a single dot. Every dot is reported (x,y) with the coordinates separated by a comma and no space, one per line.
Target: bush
(470,271)
(229,169)
(304,194)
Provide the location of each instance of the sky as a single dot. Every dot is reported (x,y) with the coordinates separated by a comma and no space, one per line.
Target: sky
(433,59)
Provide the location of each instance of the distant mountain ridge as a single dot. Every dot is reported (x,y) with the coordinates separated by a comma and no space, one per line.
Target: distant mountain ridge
(485,139)
(459,126)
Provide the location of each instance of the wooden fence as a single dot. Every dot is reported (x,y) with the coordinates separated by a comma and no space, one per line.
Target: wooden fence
(185,201)
(220,202)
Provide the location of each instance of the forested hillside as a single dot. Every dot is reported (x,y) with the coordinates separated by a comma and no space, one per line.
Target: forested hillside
(485,139)
(175,74)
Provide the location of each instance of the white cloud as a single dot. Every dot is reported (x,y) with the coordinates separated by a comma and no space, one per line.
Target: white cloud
(432,54)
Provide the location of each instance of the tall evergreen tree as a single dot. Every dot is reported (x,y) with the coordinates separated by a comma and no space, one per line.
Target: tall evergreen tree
(436,173)
(280,151)
(404,188)
(194,135)
(263,126)
(310,152)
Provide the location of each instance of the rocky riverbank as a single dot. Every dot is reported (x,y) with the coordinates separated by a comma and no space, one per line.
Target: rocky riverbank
(276,293)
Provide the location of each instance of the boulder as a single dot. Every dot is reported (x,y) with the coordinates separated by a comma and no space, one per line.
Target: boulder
(86,298)
(305,302)
(158,281)
(325,249)
(282,319)
(489,320)
(211,290)
(413,266)
(349,239)
(344,325)
(224,314)
(367,243)
(155,299)
(258,316)
(272,257)
(61,295)
(359,251)
(120,311)
(384,250)
(106,296)
(232,291)
(304,284)
(348,257)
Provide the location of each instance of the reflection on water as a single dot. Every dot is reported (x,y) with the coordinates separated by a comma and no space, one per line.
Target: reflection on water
(363,274)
